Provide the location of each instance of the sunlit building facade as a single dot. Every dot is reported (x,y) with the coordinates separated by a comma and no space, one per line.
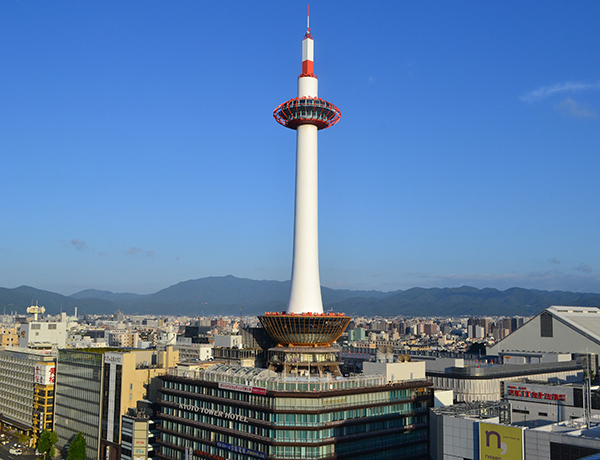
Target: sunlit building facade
(229,412)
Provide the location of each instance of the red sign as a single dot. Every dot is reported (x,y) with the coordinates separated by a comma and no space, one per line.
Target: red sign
(524,393)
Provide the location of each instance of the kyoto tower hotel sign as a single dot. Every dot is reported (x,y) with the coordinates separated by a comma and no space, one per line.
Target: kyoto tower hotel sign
(307,114)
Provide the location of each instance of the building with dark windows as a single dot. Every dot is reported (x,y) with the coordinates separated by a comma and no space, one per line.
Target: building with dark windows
(26,389)
(229,412)
(95,389)
(138,435)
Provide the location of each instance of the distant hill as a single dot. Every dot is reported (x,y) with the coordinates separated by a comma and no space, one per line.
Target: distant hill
(105,295)
(226,295)
(19,299)
(466,300)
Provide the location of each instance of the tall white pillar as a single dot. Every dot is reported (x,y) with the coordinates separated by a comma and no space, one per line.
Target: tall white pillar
(305,295)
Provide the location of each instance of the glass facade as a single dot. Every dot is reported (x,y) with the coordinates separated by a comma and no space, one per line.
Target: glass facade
(387,421)
(77,402)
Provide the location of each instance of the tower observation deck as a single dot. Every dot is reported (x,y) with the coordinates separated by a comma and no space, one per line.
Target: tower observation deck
(304,324)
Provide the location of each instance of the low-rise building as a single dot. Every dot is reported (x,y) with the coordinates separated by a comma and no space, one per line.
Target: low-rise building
(484,382)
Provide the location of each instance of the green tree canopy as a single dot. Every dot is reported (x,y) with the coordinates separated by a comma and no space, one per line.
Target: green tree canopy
(46,444)
(77,448)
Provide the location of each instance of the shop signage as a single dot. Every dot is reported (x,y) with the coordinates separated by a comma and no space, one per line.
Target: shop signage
(500,442)
(116,358)
(209,455)
(242,388)
(241,450)
(45,374)
(538,392)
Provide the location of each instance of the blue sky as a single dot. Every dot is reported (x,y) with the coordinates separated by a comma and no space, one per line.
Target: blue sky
(138,147)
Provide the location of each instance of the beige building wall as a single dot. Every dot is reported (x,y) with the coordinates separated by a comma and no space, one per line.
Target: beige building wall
(140,383)
(9,336)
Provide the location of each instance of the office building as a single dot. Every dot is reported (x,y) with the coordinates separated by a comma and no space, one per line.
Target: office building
(26,387)
(95,388)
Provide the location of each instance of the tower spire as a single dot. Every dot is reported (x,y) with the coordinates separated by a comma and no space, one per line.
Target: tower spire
(307,22)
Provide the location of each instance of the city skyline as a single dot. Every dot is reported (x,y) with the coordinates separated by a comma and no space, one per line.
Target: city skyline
(140,148)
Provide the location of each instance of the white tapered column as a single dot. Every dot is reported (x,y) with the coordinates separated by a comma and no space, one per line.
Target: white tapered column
(306,285)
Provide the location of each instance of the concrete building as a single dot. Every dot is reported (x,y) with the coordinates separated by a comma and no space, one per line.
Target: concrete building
(484,382)
(454,429)
(9,337)
(123,339)
(94,390)
(227,341)
(574,330)
(43,334)
(480,431)
(541,403)
(193,351)
(357,334)
(26,376)
(138,436)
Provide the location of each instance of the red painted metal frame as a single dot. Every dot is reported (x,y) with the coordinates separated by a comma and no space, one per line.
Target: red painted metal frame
(286,114)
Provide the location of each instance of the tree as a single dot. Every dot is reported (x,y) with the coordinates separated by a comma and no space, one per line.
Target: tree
(77,448)
(46,444)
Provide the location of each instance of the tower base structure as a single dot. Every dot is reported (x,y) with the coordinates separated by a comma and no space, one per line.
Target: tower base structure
(308,362)
(305,329)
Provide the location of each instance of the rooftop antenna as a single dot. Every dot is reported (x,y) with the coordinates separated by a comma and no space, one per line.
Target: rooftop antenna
(307,22)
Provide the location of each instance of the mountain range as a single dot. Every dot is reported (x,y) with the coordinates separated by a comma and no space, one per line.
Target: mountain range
(227,295)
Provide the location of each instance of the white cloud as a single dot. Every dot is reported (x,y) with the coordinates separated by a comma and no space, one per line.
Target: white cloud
(572,108)
(547,91)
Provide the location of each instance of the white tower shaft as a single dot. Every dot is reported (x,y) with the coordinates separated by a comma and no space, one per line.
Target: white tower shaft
(305,294)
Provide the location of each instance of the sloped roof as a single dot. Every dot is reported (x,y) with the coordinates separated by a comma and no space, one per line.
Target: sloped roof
(583,319)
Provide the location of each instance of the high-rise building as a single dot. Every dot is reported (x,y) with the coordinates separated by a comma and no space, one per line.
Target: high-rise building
(26,389)
(301,407)
(95,389)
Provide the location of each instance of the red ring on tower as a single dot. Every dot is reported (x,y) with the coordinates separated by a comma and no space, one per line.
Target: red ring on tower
(307,111)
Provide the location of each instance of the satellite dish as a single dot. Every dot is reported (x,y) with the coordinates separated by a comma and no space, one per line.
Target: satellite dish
(407,358)
(401,358)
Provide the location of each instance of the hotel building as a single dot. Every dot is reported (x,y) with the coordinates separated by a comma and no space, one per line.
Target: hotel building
(235,413)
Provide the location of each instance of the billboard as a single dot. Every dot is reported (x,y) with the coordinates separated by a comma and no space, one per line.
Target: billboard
(548,393)
(500,442)
(45,373)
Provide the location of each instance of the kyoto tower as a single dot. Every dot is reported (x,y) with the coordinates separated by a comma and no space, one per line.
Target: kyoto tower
(306,114)
(304,324)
